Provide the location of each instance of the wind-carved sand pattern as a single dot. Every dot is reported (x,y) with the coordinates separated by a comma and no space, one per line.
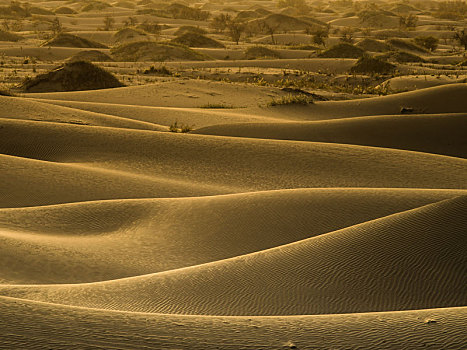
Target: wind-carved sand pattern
(268,174)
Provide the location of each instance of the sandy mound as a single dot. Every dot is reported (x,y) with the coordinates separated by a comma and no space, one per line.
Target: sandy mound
(373,45)
(255,52)
(370,65)
(70,40)
(152,51)
(401,57)
(65,11)
(406,45)
(284,39)
(72,76)
(94,5)
(197,40)
(404,8)
(343,50)
(7,36)
(441,134)
(189,29)
(129,35)
(281,23)
(91,56)
(342,271)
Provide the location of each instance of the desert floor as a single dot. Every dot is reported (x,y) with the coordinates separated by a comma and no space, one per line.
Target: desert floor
(232,202)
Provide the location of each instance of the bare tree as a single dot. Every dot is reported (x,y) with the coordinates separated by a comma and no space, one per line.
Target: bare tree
(461,38)
(236,30)
(109,23)
(56,26)
(220,23)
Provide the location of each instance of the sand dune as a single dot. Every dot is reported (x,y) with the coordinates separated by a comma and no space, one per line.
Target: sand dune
(430,133)
(19,108)
(197,117)
(103,240)
(258,197)
(88,328)
(439,99)
(208,161)
(191,93)
(47,182)
(375,266)
(185,93)
(421,82)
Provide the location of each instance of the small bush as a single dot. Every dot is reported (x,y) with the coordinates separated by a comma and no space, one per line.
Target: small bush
(180,128)
(428,42)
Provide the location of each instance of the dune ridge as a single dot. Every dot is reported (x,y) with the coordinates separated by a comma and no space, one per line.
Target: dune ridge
(86,242)
(319,274)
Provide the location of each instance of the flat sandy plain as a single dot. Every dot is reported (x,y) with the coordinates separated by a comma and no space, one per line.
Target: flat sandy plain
(334,224)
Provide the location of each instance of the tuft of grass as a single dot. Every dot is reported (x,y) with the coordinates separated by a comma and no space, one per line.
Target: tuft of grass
(180,128)
(290,99)
(217,106)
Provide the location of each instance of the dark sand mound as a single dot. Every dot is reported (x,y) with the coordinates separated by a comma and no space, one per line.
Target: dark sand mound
(130,34)
(401,57)
(404,8)
(440,134)
(197,40)
(371,65)
(281,23)
(255,52)
(8,36)
(373,45)
(65,11)
(91,56)
(406,45)
(94,5)
(72,76)
(379,265)
(97,231)
(70,40)
(342,50)
(190,29)
(152,51)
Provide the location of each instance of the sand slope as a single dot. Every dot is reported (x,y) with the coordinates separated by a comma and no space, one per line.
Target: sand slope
(94,241)
(88,329)
(430,133)
(208,163)
(374,266)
